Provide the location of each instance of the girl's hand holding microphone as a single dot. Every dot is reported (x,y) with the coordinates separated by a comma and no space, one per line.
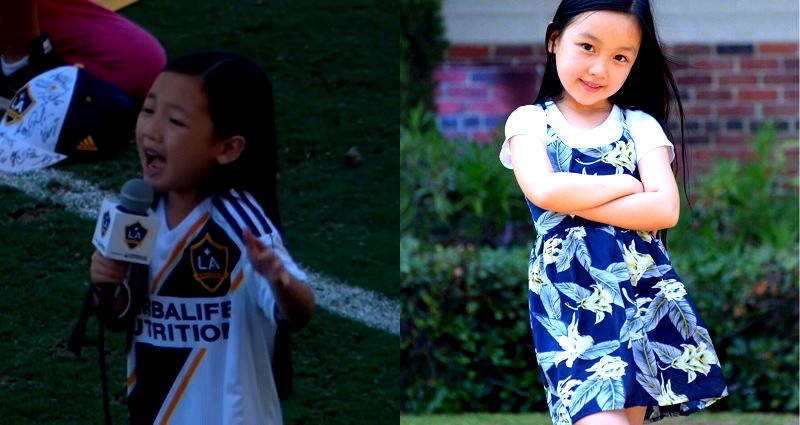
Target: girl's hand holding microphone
(106,277)
(103,270)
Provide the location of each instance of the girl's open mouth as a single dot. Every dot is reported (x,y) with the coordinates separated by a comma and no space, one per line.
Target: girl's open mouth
(154,162)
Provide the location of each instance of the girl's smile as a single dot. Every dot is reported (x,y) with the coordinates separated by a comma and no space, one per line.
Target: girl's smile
(590,87)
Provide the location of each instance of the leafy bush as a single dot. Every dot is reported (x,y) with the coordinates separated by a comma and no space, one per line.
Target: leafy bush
(465,335)
(737,252)
(465,340)
(422,46)
(452,190)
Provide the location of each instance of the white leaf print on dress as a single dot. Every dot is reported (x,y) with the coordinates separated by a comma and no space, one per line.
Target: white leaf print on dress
(536,277)
(612,395)
(572,342)
(560,155)
(599,302)
(622,155)
(599,350)
(572,290)
(608,368)
(565,389)
(645,358)
(609,282)
(546,359)
(694,359)
(569,247)
(637,262)
(551,301)
(547,221)
(683,318)
(551,250)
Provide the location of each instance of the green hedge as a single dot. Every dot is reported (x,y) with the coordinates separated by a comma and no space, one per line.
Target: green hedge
(454,190)
(465,336)
(466,343)
(422,46)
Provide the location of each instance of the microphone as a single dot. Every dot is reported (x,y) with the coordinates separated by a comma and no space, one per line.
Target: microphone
(126,231)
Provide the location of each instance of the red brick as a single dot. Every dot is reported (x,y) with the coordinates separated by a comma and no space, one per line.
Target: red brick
(484,136)
(690,49)
(782,78)
(790,94)
(791,63)
(759,63)
(714,64)
(736,111)
(697,111)
(745,155)
(758,95)
(694,80)
(714,95)
(450,76)
(469,51)
(729,141)
(447,108)
(513,51)
(495,108)
(461,91)
(737,79)
(777,48)
(780,110)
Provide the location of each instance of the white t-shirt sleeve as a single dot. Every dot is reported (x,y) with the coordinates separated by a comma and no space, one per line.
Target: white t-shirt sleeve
(528,119)
(647,134)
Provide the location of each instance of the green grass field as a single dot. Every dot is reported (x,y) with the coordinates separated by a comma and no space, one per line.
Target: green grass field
(333,68)
(700,418)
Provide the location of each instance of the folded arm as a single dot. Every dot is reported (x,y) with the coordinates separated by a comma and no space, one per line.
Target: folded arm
(658,207)
(563,192)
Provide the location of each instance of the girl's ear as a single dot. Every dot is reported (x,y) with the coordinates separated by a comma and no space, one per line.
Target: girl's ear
(551,42)
(230,150)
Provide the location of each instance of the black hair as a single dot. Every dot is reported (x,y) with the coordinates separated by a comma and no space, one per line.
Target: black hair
(649,87)
(240,103)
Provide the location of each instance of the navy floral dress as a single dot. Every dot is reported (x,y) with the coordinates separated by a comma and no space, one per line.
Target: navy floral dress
(613,326)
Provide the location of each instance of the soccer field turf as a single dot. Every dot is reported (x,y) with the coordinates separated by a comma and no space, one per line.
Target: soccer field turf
(330,66)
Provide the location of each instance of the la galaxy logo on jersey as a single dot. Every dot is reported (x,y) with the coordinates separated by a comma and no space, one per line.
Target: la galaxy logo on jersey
(134,234)
(21,103)
(209,263)
(105,223)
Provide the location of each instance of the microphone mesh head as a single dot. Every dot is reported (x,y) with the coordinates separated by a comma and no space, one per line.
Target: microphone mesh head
(136,195)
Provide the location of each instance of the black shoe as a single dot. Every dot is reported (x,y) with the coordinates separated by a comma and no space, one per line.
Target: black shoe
(41,57)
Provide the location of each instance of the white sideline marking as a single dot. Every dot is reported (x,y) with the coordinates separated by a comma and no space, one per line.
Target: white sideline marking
(84,198)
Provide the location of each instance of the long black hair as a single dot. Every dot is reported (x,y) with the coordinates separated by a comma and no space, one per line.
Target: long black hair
(240,103)
(649,87)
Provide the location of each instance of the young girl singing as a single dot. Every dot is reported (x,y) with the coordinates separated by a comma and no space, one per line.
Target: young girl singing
(617,337)
(220,276)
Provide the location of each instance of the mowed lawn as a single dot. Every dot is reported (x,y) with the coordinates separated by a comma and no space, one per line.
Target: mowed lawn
(700,418)
(333,67)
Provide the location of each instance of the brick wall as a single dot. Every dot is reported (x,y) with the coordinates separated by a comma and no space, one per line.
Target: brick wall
(728,91)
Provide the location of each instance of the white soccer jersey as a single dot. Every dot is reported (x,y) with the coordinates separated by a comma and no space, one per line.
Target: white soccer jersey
(203,339)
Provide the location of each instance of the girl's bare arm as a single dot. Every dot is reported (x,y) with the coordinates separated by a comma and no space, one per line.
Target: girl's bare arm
(658,207)
(563,192)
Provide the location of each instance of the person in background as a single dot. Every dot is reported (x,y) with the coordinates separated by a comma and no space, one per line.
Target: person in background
(38,35)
